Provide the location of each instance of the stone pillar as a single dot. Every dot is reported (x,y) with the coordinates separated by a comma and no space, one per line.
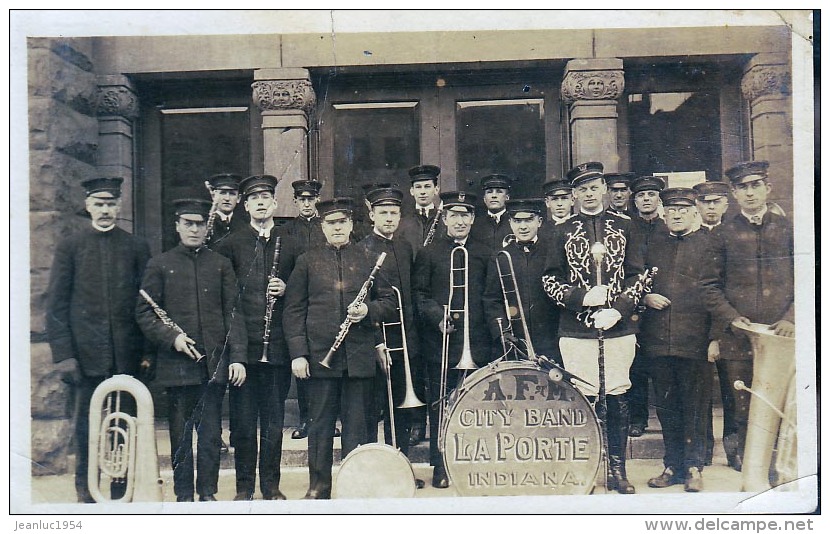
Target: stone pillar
(591,88)
(117,107)
(767,87)
(285,97)
(63,141)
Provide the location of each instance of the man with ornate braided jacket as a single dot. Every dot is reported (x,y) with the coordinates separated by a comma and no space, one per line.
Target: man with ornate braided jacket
(570,279)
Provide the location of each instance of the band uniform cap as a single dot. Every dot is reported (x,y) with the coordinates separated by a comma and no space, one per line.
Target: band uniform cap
(424,172)
(385,196)
(495,181)
(306,188)
(743,171)
(103,186)
(225,181)
(531,205)
(458,201)
(192,206)
(257,183)
(371,186)
(711,190)
(678,196)
(334,205)
(584,172)
(557,187)
(647,183)
(619,178)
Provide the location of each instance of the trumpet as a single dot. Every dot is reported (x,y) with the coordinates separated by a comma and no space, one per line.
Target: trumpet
(358,300)
(270,301)
(514,310)
(122,448)
(411,399)
(433,227)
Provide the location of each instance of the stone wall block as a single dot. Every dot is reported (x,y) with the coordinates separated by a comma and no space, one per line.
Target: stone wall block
(64,74)
(57,177)
(51,397)
(53,124)
(51,446)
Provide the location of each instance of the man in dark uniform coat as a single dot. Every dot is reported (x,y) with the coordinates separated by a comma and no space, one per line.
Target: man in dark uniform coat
(306,232)
(260,402)
(305,227)
(646,191)
(712,202)
(415,229)
(674,336)
(619,191)
(529,256)
(431,287)
(224,191)
(320,294)
(386,214)
(90,316)
(492,229)
(197,288)
(754,257)
(570,279)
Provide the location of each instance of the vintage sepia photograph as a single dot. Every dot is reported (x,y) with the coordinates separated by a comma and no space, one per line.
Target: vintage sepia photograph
(413,262)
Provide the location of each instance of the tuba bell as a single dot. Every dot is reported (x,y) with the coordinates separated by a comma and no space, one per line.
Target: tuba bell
(769,428)
(122,447)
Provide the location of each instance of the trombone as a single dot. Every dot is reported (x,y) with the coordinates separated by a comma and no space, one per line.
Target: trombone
(411,399)
(466,361)
(515,309)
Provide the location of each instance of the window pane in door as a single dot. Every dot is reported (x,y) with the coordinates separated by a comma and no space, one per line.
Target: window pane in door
(196,144)
(374,143)
(502,136)
(675,132)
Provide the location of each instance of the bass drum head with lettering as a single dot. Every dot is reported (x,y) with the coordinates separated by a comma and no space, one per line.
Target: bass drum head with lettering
(375,470)
(513,431)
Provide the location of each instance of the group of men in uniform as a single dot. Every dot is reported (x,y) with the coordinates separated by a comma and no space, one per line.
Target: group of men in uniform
(614,294)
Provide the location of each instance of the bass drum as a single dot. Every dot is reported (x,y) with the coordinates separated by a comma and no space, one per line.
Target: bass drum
(375,470)
(511,430)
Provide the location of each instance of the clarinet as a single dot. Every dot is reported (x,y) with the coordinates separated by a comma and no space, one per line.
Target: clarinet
(270,301)
(358,300)
(434,226)
(166,320)
(211,214)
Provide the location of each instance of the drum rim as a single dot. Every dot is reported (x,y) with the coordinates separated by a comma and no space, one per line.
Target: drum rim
(389,452)
(462,391)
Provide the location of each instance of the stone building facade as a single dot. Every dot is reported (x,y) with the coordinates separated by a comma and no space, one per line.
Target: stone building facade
(166,112)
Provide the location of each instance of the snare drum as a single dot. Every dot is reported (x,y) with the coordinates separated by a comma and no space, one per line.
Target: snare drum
(375,470)
(511,430)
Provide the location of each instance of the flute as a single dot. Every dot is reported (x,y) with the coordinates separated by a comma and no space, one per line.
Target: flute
(167,321)
(270,301)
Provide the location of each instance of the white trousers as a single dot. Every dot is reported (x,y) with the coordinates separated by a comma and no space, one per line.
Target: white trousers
(581,357)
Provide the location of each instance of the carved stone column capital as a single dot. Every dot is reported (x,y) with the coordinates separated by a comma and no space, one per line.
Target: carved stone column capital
(593,80)
(116,97)
(766,75)
(281,95)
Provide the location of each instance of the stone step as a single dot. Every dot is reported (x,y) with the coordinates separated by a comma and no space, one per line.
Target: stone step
(295,451)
